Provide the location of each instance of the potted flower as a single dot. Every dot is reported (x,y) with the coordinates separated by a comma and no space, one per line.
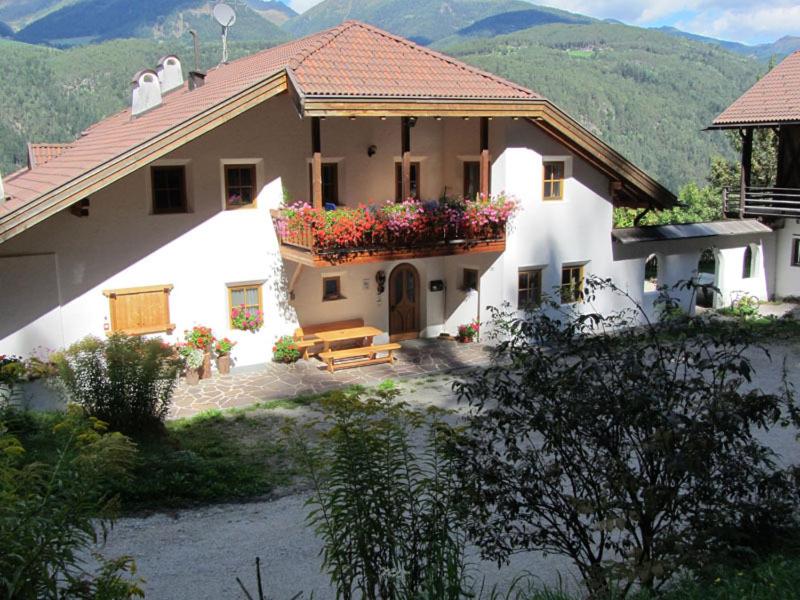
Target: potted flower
(467,333)
(223,349)
(194,359)
(245,319)
(285,350)
(201,338)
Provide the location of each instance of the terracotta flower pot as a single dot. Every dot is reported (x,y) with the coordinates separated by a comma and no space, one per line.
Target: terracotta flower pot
(205,372)
(224,364)
(192,376)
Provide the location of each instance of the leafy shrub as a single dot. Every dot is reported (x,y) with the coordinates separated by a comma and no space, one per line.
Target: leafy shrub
(12,373)
(385,512)
(744,307)
(124,381)
(48,512)
(633,451)
(285,350)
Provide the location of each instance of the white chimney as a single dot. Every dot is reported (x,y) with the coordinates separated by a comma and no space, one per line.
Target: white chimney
(2,190)
(170,73)
(146,91)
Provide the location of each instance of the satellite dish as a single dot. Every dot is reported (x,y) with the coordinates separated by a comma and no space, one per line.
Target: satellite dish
(224,15)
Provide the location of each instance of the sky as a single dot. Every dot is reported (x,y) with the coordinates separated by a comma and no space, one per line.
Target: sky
(745,21)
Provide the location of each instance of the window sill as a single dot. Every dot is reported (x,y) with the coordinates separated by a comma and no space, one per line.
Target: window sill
(166,328)
(334,299)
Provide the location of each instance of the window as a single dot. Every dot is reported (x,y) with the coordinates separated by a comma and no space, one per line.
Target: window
(472,179)
(796,252)
(240,186)
(529,290)
(398,181)
(169,190)
(140,310)
(571,284)
(244,295)
(330,183)
(331,288)
(651,274)
(470,279)
(553,180)
(747,263)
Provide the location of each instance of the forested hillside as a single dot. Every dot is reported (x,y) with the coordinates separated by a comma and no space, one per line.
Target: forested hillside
(648,94)
(423,21)
(92,21)
(52,95)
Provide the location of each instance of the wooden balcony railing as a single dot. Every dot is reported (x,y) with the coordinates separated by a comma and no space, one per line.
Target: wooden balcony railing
(299,246)
(761,202)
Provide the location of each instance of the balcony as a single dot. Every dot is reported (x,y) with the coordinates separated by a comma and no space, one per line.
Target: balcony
(412,229)
(761,202)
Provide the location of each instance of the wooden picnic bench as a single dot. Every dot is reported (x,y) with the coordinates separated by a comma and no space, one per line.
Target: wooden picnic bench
(306,338)
(357,357)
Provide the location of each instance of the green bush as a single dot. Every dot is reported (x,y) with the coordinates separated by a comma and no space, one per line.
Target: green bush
(633,450)
(743,307)
(124,381)
(386,512)
(51,514)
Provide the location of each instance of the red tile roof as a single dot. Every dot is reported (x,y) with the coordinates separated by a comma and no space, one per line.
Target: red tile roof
(353,59)
(356,59)
(775,98)
(39,154)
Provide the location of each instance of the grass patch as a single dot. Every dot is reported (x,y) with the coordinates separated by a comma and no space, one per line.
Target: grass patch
(580,53)
(213,457)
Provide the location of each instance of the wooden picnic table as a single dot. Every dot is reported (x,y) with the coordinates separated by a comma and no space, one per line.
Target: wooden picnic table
(346,335)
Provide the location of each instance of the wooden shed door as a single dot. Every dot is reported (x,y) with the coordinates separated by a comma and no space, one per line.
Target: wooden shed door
(404,303)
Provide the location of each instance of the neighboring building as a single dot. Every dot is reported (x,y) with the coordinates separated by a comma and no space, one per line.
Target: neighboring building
(161,217)
(772,103)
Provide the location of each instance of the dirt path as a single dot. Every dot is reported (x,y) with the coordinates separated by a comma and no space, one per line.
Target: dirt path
(197,554)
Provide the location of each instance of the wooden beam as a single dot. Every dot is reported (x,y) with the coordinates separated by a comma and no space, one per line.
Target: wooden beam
(485,159)
(747,167)
(405,135)
(316,163)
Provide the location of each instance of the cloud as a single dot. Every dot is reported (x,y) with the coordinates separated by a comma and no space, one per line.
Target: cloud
(302,6)
(745,20)
(755,23)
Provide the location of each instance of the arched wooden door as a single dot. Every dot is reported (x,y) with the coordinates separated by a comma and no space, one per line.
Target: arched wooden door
(404,303)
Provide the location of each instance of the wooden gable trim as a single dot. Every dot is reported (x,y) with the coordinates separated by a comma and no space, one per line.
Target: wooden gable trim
(48,204)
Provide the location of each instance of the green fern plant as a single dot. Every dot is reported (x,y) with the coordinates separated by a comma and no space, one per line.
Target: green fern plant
(386,511)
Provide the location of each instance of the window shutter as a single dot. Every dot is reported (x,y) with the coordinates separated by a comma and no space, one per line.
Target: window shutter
(137,311)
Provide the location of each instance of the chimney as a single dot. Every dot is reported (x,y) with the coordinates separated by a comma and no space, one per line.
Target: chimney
(2,190)
(170,73)
(146,92)
(196,79)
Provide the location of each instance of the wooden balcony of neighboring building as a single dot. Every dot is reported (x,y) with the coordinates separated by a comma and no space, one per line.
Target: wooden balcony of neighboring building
(766,202)
(300,246)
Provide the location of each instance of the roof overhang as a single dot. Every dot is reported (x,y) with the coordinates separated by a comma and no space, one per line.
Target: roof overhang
(65,195)
(751,125)
(667,233)
(632,186)
(637,188)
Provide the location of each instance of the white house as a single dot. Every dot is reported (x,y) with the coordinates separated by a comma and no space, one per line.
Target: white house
(163,216)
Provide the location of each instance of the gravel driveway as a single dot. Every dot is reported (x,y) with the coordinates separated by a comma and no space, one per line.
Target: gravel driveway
(197,554)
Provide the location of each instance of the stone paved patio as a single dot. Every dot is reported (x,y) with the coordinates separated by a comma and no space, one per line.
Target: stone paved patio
(249,385)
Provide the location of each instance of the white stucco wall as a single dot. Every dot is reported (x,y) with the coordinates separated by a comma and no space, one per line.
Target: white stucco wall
(52,276)
(787,276)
